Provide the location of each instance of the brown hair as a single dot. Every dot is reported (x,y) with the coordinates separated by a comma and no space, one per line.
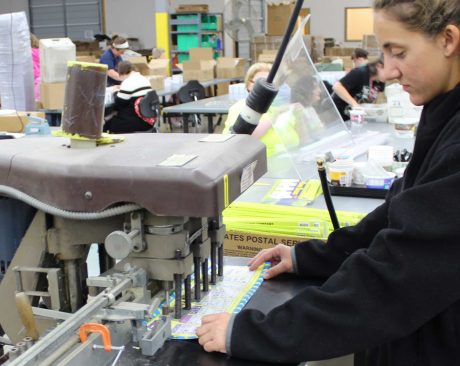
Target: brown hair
(125,67)
(373,65)
(359,53)
(426,16)
(117,40)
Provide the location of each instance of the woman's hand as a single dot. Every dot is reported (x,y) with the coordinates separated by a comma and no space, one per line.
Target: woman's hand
(212,332)
(279,257)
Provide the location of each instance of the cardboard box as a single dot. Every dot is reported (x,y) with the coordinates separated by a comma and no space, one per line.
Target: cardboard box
(192,8)
(52,95)
(242,244)
(157,82)
(87,46)
(154,67)
(370,41)
(229,67)
(140,63)
(202,53)
(200,66)
(17,122)
(87,58)
(159,66)
(202,70)
(278,18)
(261,43)
(267,56)
(338,51)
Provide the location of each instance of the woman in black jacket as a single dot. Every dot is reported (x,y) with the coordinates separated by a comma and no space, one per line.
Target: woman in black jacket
(392,282)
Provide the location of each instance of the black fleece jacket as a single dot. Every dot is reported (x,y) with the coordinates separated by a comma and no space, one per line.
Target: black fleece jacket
(392,282)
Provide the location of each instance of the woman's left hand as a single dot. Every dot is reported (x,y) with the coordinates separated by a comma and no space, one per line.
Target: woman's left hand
(212,332)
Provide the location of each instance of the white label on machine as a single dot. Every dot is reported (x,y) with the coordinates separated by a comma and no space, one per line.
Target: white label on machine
(247,177)
(177,160)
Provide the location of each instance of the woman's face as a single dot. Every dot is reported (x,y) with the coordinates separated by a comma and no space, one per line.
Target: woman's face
(419,63)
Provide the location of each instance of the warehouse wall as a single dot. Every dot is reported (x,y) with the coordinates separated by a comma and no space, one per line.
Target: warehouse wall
(132,18)
(11,6)
(328,17)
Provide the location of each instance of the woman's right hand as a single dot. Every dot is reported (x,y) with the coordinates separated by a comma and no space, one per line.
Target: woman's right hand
(279,257)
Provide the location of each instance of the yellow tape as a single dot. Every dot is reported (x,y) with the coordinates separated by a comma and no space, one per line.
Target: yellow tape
(83,65)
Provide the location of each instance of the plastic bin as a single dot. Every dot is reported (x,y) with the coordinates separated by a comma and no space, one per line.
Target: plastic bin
(15,218)
(183,57)
(375,112)
(187,27)
(54,55)
(187,41)
(209,22)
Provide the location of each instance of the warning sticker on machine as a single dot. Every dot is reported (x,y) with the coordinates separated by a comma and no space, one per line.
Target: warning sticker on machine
(247,176)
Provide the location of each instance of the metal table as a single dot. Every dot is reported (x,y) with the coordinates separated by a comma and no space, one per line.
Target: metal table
(209,107)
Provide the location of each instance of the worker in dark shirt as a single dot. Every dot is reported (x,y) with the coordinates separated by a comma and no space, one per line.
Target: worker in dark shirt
(112,57)
(391,290)
(361,85)
(359,57)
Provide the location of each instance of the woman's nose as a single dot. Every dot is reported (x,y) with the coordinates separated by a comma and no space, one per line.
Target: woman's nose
(390,72)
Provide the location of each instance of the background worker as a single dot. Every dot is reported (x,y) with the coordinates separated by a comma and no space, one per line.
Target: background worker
(112,57)
(359,57)
(127,117)
(391,289)
(360,85)
(256,71)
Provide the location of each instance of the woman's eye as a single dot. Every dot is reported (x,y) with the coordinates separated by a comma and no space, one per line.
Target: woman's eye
(399,54)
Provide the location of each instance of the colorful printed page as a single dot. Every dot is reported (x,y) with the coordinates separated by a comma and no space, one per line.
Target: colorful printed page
(293,192)
(229,294)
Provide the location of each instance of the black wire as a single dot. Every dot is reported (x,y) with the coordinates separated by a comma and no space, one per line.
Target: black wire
(327,197)
(286,38)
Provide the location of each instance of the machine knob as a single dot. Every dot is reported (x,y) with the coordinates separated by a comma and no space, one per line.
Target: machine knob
(119,244)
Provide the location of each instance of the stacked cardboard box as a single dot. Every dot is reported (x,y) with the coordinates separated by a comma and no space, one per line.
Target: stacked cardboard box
(227,68)
(267,56)
(200,66)
(262,43)
(339,51)
(156,70)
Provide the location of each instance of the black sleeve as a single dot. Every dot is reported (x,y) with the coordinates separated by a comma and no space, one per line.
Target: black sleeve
(316,259)
(407,275)
(353,81)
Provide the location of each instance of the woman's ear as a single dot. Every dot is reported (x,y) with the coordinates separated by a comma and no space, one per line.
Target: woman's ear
(451,40)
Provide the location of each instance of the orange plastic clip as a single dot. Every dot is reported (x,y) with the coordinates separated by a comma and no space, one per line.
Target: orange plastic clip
(96,328)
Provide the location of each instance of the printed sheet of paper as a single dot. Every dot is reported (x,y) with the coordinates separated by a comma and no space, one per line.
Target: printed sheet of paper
(229,294)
